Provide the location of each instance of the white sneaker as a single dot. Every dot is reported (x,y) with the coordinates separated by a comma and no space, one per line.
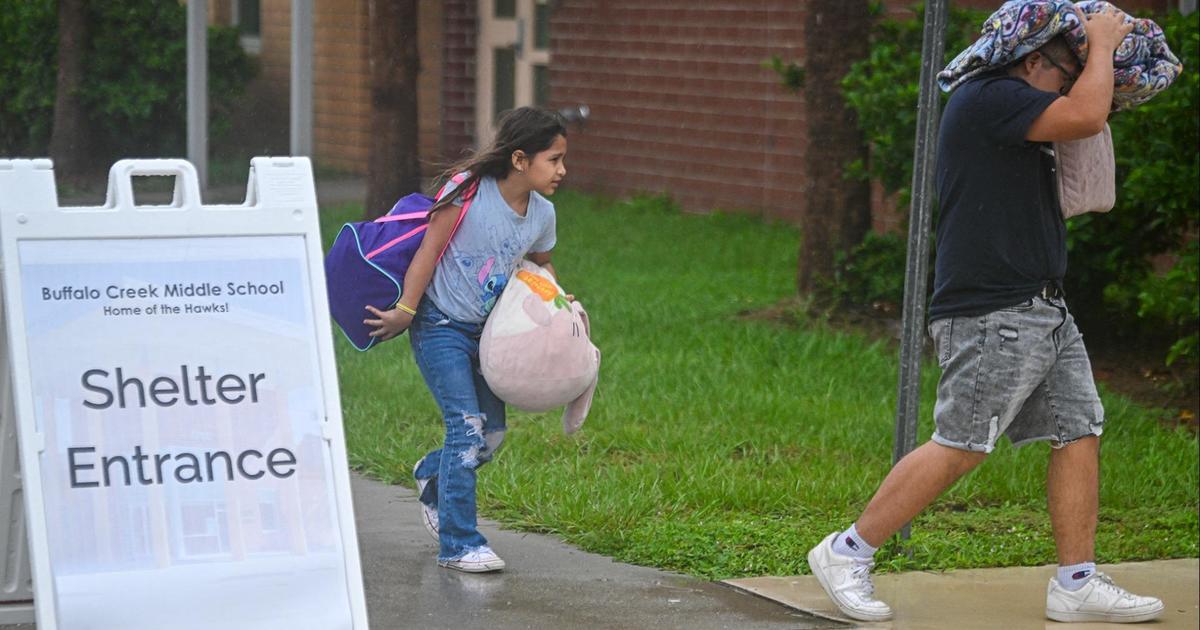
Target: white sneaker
(847,581)
(429,515)
(1099,600)
(481,560)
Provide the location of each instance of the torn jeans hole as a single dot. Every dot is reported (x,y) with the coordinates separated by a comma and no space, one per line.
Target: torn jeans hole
(470,457)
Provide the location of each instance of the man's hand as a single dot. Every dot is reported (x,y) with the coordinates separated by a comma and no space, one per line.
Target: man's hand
(1083,111)
(388,324)
(1106,29)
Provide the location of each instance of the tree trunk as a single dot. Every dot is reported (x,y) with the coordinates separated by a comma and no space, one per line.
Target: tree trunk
(838,213)
(70,136)
(392,165)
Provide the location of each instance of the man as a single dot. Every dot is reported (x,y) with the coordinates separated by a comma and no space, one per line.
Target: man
(1013,361)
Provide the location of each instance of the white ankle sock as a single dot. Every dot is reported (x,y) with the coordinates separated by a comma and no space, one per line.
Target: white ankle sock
(1075,576)
(849,543)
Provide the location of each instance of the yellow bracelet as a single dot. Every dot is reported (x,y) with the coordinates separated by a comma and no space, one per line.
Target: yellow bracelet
(406,309)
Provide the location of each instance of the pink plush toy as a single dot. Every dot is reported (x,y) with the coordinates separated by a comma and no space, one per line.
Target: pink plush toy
(535,352)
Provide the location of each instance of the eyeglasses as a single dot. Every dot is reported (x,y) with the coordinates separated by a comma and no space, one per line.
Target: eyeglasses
(1068,77)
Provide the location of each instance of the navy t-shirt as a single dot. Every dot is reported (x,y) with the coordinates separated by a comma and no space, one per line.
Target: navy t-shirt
(1000,233)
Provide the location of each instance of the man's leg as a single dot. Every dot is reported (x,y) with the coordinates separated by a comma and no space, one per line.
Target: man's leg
(988,369)
(1071,411)
(842,562)
(1073,496)
(913,484)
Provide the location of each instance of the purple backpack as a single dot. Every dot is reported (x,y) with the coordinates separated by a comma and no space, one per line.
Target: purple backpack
(368,260)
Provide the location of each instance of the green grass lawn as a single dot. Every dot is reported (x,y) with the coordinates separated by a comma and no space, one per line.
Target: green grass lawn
(725,447)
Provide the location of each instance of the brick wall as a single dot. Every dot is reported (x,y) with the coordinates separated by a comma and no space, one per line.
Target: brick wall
(458,77)
(681,103)
(902,7)
(431,18)
(275,59)
(341,85)
(220,12)
(341,80)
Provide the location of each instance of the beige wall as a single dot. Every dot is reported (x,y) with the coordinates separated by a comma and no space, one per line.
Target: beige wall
(341,75)
(341,90)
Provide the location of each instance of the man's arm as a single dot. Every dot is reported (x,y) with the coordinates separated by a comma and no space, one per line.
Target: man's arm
(1084,110)
(392,322)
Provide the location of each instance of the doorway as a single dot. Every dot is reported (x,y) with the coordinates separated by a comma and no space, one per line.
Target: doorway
(513,60)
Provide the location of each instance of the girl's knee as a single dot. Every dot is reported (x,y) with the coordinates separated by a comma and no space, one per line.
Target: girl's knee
(466,437)
(492,441)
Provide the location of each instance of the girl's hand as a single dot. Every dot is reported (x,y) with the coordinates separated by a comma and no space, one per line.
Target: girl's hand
(388,324)
(570,297)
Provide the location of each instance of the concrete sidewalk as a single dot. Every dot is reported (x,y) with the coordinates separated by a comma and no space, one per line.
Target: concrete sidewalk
(548,585)
(1012,599)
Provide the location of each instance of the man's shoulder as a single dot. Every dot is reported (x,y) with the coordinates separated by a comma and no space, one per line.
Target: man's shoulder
(987,86)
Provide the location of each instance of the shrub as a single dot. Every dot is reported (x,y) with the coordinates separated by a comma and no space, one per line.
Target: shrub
(1110,280)
(1170,299)
(27,37)
(884,89)
(1157,200)
(872,272)
(134,80)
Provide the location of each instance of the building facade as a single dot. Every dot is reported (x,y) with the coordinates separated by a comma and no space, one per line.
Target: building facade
(681,101)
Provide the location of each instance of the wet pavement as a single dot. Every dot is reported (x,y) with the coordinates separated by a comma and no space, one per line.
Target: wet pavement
(547,585)
(550,585)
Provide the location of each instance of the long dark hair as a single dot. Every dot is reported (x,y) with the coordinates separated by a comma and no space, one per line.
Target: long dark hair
(528,129)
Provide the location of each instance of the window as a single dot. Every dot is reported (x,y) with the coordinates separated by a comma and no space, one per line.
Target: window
(506,8)
(247,17)
(541,85)
(205,529)
(504,87)
(268,511)
(541,26)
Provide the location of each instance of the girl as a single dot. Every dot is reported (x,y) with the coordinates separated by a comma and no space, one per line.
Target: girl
(445,303)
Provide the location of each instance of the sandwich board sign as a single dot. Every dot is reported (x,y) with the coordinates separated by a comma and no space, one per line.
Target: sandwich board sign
(180,432)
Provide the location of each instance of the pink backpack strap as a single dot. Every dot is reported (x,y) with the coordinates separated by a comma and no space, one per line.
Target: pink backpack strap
(400,217)
(468,198)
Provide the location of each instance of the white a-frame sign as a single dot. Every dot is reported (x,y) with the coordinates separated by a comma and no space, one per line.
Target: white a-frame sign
(181,439)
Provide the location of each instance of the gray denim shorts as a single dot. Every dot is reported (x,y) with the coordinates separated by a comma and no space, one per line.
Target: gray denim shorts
(1020,371)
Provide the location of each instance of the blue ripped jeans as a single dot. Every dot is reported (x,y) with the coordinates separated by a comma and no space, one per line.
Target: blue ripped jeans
(447,351)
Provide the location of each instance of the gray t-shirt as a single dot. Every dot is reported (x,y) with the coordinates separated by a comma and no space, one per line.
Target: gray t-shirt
(482,255)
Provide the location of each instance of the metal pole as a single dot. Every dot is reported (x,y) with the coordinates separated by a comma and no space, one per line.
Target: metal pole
(908,396)
(302,78)
(197,88)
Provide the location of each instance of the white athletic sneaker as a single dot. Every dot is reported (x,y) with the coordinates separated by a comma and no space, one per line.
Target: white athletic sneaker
(1099,600)
(847,581)
(429,515)
(481,560)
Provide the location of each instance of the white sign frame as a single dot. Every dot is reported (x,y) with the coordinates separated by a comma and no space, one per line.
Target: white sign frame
(280,201)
